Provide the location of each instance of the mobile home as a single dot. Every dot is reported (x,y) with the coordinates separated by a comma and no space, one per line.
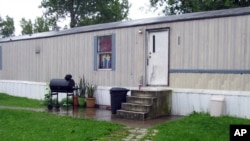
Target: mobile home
(197,51)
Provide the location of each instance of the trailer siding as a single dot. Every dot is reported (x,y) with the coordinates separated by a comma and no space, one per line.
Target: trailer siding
(205,53)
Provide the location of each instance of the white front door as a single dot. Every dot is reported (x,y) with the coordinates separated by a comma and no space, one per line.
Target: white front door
(157,57)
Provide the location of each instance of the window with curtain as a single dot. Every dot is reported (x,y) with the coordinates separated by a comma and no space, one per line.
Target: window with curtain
(104,52)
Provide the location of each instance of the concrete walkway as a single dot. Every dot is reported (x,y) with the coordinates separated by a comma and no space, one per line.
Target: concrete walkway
(136,134)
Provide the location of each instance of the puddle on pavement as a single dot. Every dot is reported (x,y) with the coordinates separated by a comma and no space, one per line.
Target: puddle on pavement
(106,115)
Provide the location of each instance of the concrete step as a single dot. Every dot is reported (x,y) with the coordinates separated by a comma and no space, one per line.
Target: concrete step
(143,93)
(141,100)
(146,104)
(131,115)
(136,107)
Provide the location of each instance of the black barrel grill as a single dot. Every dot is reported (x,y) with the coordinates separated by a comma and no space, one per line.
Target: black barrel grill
(66,85)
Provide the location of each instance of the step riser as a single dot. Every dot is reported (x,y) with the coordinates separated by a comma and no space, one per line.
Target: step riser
(137,108)
(134,116)
(137,100)
(143,93)
(142,105)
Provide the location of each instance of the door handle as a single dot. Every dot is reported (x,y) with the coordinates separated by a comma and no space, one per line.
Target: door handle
(149,55)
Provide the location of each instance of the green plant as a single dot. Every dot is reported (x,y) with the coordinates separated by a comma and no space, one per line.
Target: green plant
(47,95)
(81,102)
(82,86)
(91,90)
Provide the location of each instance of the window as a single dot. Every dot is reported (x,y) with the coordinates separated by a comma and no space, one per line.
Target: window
(104,52)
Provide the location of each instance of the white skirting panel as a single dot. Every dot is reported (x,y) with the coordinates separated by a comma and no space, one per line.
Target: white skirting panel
(34,90)
(102,96)
(185,101)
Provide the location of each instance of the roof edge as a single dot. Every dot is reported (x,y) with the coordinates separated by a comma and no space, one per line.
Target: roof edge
(138,22)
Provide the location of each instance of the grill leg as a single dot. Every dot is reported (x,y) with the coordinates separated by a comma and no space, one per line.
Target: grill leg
(67,102)
(50,105)
(57,103)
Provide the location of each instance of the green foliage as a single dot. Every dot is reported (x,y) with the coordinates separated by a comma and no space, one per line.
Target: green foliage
(43,126)
(85,12)
(82,86)
(91,88)
(26,25)
(198,127)
(85,87)
(188,6)
(46,99)
(7,27)
(41,25)
(81,102)
(47,95)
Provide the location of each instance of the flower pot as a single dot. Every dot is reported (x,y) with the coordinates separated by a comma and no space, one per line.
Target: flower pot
(81,102)
(90,102)
(75,101)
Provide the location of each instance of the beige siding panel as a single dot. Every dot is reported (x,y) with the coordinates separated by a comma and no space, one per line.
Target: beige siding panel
(128,49)
(175,37)
(211,81)
(237,44)
(221,43)
(175,41)
(210,44)
(129,56)
(195,45)
(186,47)
(247,42)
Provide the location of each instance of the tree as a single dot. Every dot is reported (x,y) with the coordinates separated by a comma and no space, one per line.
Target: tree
(188,6)
(85,12)
(7,27)
(40,25)
(26,25)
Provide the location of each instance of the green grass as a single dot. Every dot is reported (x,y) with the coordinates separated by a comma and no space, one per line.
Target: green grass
(20,125)
(196,127)
(7,100)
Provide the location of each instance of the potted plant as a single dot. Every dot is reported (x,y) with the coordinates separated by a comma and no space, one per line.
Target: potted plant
(90,100)
(82,91)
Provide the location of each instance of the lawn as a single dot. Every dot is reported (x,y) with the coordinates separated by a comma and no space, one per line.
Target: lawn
(23,125)
(197,127)
(20,125)
(7,100)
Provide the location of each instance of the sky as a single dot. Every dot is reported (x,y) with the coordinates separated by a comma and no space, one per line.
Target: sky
(17,9)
